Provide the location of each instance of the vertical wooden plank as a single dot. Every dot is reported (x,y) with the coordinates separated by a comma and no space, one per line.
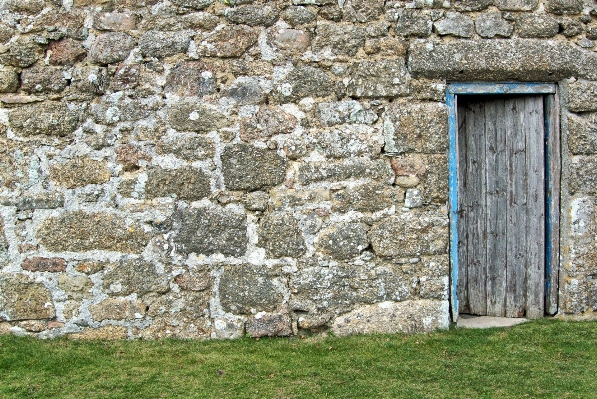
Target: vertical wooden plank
(477,253)
(516,209)
(463,208)
(497,185)
(452,103)
(553,200)
(535,228)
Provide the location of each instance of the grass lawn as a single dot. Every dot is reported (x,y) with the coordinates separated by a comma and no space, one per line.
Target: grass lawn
(541,359)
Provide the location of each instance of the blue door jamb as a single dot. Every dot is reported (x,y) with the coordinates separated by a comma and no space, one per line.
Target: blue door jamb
(452,92)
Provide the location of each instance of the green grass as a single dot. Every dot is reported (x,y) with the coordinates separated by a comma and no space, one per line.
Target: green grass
(542,359)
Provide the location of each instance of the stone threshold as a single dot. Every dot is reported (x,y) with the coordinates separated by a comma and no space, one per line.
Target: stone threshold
(474,321)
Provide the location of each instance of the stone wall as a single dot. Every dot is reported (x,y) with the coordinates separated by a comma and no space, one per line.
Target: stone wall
(215,168)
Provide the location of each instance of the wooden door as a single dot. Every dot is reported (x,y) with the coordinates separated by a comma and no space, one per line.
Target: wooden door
(501,196)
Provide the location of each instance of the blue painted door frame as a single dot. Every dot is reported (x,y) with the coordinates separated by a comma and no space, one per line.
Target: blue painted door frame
(453,90)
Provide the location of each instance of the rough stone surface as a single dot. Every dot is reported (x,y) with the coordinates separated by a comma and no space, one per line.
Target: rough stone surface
(249,168)
(269,325)
(246,288)
(130,156)
(117,309)
(107,332)
(338,113)
(472,5)
(65,52)
(191,78)
(193,4)
(411,233)
(571,27)
(320,288)
(252,15)
(187,183)
(81,231)
(348,141)
(492,24)
(582,136)
(44,264)
(167,23)
(109,48)
(245,91)
(338,39)
(331,12)
(115,21)
(362,10)
(22,52)
(226,41)
(456,25)
(62,23)
(290,41)
(412,22)
(428,172)
(188,147)
(89,80)
(516,5)
(194,281)
(49,118)
(298,15)
(378,79)
(6,33)
(269,121)
(536,26)
(76,287)
(582,96)
(287,198)
(352,168)
(178,315)
(256,201)
(371,197)
(280,235)
(303,82)
(134,276)
(22,298)
(583,175)
(394,317)
(41,201)
(386,46)
(564,6)
(211,230)
(80,172)
(344,241)
(14,173)
(191,117)
(9,80)
(30,7)
(413,198)
(164,44)
(518,59)
(418,127)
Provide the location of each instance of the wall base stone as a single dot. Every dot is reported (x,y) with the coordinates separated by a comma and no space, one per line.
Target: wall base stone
(409,317)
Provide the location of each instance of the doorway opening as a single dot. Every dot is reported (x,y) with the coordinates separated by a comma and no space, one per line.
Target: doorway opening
(504,172)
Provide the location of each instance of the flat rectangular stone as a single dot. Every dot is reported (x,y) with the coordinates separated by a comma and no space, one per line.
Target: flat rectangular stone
(519,59)
(394,317)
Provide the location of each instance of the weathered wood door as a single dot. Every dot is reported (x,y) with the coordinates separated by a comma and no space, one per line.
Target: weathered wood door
(501,195)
